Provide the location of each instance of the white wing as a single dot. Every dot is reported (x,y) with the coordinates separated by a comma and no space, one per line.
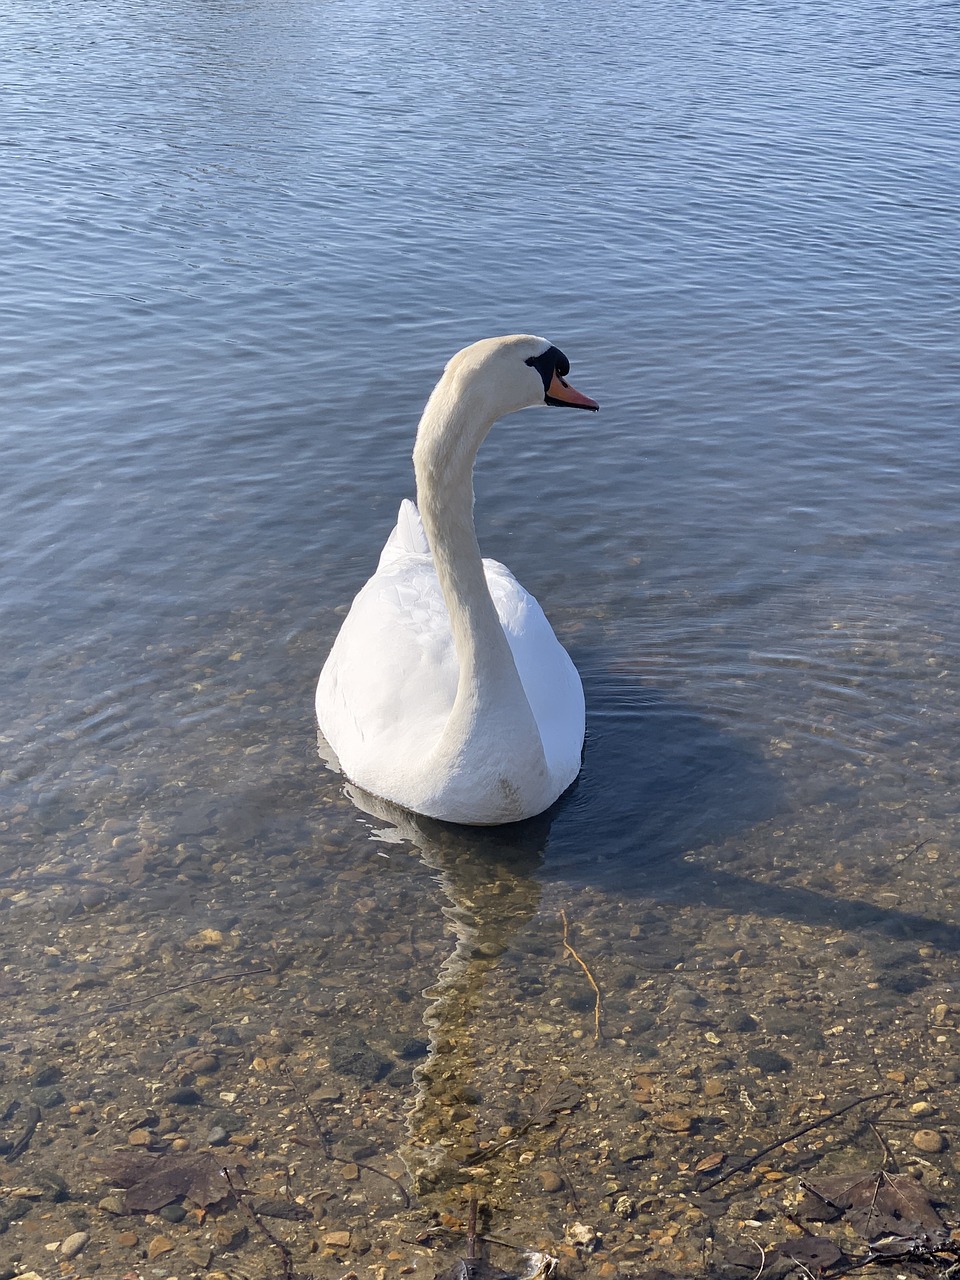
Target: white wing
(389,684)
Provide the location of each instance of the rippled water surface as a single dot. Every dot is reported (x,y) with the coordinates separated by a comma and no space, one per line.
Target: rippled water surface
(241,239)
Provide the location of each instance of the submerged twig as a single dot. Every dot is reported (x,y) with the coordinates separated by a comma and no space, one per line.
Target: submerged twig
(182,986)
(564,1171)
(797,1133)
(323,1140)
(763,1256)
(285,1254)
(590,978)
(472,1229)
(31,1118)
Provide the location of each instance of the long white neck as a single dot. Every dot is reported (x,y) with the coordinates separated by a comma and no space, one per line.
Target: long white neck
(490,697)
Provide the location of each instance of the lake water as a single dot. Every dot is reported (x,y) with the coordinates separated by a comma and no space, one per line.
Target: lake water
(241,239)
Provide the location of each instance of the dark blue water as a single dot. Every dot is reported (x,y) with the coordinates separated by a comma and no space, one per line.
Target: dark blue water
(241,240)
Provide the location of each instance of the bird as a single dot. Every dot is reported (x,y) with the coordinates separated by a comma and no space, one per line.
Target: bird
(446,691)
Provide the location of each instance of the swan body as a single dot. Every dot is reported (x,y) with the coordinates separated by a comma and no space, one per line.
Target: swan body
(446,690)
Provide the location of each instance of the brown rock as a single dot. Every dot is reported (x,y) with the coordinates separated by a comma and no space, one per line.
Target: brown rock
(550,1181)
(204,1064)
(206,940)
(337,1239)
(158,1246)
(128,1239)
(229,1235)
(350,1172)
(643,1088)
(140,1138)
(676,1121)
(929,1141)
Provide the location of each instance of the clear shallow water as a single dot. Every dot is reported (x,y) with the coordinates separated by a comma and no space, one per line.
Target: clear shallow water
(240,242)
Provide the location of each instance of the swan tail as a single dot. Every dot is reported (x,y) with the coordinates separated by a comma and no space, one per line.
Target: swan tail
(410,532)
(408,537)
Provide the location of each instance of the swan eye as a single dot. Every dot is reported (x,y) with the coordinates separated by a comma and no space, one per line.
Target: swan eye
(548,363)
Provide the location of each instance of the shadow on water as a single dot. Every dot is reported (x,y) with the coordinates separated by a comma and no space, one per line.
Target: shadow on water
(660,781)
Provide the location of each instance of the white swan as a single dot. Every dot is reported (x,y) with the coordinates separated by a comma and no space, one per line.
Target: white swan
(446,690)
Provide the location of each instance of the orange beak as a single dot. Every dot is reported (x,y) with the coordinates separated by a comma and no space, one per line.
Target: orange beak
(561,393)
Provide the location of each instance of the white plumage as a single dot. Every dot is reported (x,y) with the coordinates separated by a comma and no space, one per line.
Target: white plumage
(446,690)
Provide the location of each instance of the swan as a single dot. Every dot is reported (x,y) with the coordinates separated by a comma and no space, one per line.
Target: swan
(446,690)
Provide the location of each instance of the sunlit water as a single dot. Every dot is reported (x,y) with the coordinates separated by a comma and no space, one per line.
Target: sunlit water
(240,240)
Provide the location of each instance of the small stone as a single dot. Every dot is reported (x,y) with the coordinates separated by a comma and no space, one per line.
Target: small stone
(228,1120)
(929,1141)
(227,1236)
(173,1213)
(53,1184)
(73,1244)
(226,1034)
(141,1118)
(217,1137)
(326,1093)
(676,1122)
(713,1088)
(769,1061)
(550,1181)
(489,950)
(353,1056)
(140,1138)
(581,1236)
(350,1172)
(128,1239)
(111,1204)
(47,1098)
(46,1076)
(410,1047)
(204,1064)
(185,1097)
(158,1246)
(625,1207)
(922,1109)
(206,940)
(337,1239)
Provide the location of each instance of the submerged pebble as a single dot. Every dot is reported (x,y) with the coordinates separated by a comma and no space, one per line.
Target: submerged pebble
(74,1244)
(929,1141)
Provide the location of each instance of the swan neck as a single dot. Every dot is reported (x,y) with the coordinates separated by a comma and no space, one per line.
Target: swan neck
(444,458)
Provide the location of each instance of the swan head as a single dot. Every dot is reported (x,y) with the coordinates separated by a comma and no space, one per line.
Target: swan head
(502,375)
